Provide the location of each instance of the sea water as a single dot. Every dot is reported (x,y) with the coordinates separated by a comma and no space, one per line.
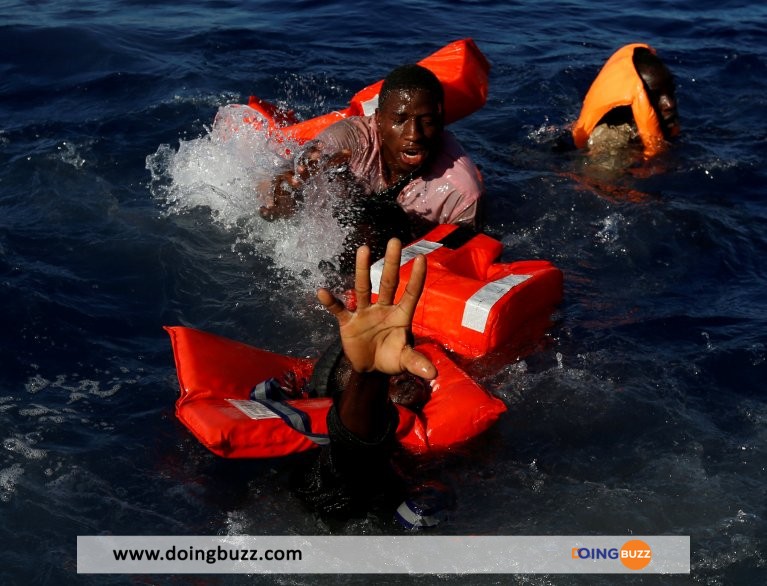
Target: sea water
(126,205)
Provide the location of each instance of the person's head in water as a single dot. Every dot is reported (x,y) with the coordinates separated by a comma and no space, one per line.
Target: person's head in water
(632,100)
(660,88)
(333,370)
(410,119)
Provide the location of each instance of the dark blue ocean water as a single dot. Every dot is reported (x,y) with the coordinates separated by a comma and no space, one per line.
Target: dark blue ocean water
(122,209)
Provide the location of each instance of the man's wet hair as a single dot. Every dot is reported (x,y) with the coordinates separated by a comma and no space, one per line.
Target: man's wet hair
(410,78)
(645,60)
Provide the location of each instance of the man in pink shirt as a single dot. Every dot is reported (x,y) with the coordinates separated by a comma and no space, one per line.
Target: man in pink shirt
(409,173)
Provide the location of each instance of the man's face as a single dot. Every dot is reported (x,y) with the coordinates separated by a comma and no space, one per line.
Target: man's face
(662,93)
(410,126)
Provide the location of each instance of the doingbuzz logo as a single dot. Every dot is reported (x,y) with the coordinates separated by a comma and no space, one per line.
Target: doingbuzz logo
(634,554)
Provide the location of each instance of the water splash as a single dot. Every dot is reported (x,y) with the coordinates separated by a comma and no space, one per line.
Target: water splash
(610,233)
(70,154)
(229,172)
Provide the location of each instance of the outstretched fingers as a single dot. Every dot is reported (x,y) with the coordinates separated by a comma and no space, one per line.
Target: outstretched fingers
(390,272)
(333,305)
(362,277)
(414,287)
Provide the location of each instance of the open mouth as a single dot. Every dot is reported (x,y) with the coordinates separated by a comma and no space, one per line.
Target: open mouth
(413,157)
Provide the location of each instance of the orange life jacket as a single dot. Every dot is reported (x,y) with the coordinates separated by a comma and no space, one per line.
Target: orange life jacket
(471,304)
(217,375)
(619,84)
(460,66)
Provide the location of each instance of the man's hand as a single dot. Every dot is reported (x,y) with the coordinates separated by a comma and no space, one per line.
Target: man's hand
(284,197)
(286,187)
(375,337)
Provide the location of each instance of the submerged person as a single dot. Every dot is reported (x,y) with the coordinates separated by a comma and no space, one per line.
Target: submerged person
(632,101)
(353,473)
(405,171)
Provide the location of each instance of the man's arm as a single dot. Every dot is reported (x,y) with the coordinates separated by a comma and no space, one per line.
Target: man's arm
(287,185)
(331,149)
(376,338)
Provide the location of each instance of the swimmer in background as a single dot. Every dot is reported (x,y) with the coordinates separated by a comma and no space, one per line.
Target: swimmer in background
(631,102)
(405,173)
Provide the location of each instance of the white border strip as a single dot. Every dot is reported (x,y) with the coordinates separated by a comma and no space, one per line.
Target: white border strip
(369,106)
(354,554)
(408,254)
(253,409)
(478,306)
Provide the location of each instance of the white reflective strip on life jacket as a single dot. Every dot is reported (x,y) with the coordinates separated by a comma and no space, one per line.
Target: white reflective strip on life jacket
(478,306)
(253,409)
(291,416)
(411,516)
(408,254)
(369,106)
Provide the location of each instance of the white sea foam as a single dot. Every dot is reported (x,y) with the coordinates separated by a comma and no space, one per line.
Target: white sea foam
(70,154)
(23,447)
(229,172)
(78,388)
(235,523)
(35,411)
(9,478)
(36,384)
(612,229)
(7,403)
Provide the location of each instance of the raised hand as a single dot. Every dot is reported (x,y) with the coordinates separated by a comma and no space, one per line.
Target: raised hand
(376,336)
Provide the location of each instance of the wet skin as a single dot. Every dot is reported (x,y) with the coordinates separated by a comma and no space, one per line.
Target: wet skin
(410,125)
(661,91)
